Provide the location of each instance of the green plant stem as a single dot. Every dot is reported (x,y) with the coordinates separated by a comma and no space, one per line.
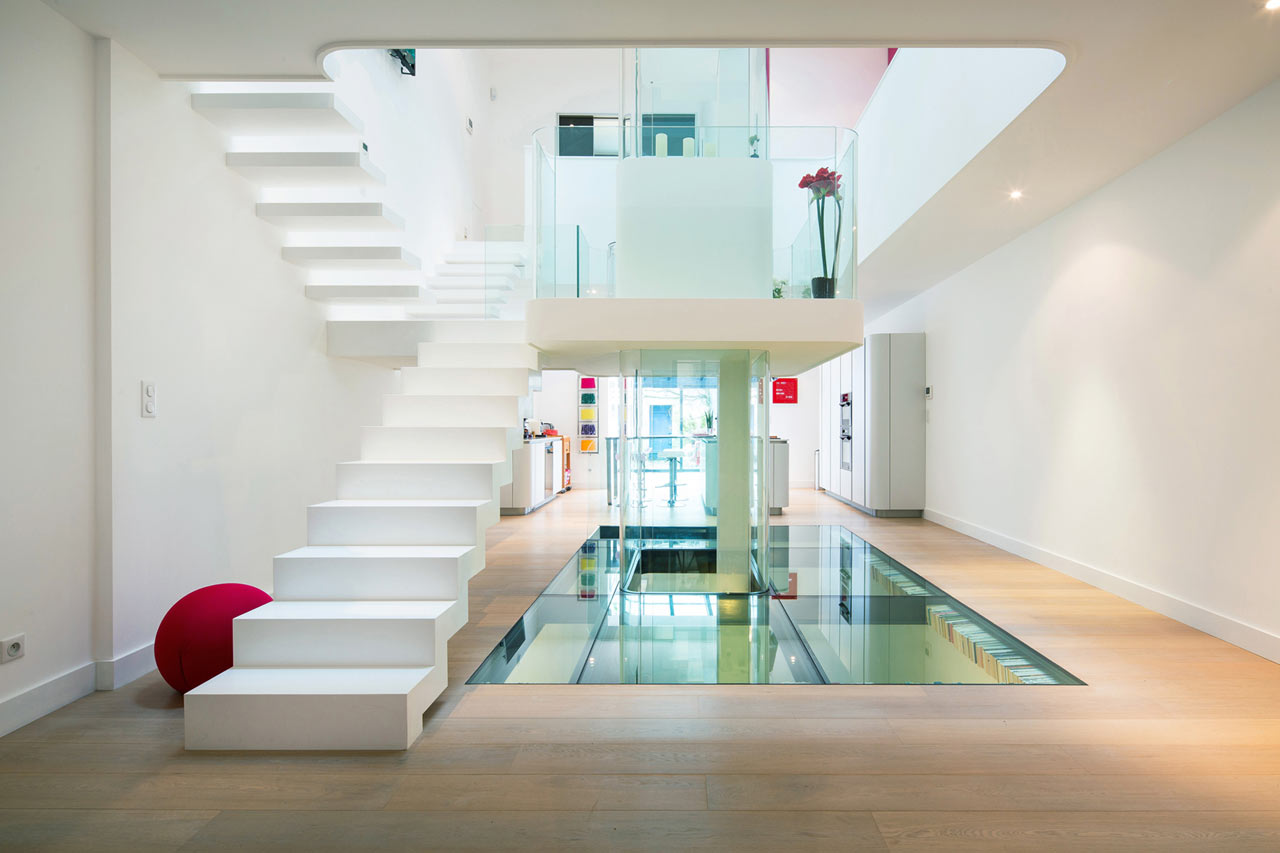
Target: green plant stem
(835,255)
(822,234)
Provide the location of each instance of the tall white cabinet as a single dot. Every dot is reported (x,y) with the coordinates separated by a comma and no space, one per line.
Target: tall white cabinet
(871,427)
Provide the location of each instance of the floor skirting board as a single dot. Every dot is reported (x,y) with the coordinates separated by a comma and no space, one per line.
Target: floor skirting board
(116,673)
(1238,633)
(32,704)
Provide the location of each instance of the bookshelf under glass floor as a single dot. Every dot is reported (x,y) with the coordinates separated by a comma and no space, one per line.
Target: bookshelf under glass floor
(827,608)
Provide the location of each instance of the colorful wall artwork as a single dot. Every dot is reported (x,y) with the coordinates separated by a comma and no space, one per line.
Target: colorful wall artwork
(588,416)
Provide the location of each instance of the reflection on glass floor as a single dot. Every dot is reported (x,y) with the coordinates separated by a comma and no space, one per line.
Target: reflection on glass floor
(836,611)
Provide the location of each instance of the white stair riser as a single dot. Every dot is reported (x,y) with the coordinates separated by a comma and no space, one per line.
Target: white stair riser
(486,256)
(333,642)
(453,411)
(473,481)
(469,297)
(477,331)
(480,268)
(437,444)
(382,525)
(323,292)
(471,282)
(447,312)
(448,381)
(369,578)
(449,354)
(300,721)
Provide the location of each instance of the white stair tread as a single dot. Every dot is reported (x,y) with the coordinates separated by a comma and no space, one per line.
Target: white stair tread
(361,610)
(373,290)
(317,681)
(469,282)
(485,257)
(276,113)
(402,503)
(478,268)
(390,552)
(306,168)
(351,257)
(331,215)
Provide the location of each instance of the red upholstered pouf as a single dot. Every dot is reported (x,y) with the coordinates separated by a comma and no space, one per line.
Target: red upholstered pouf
(193,643)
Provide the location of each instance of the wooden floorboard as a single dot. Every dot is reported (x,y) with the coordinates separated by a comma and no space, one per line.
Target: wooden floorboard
(1172,744)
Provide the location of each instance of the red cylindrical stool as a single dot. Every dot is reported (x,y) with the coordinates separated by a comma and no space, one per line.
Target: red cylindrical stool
(193,643)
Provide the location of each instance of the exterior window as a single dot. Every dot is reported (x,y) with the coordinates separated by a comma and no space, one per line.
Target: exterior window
(677,127)
(588,136)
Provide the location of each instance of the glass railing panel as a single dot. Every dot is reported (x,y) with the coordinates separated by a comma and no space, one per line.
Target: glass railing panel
(724,214)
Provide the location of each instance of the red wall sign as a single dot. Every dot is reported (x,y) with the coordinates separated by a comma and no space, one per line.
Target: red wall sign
(786,390)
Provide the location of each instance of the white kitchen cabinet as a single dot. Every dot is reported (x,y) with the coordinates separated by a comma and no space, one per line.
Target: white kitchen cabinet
(537,475)
(879,465)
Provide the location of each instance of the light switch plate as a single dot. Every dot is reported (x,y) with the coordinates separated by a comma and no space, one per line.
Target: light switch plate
(148,402)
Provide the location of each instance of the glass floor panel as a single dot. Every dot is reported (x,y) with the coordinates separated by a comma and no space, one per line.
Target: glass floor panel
(836,611)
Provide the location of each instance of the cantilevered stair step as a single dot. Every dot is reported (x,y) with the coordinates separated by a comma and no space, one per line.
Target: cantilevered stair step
(480,481)
(481,354)
(375,291)
(420,410)
(277,113)
(440,444)
(339,633)
(331,215)
(477,331)
(399,522)
(312,707)
(471,282)
(471,297)
(513,381)
(352,257)
(306,168)
(474,269)
(494,256)
(438,311)
(375,572)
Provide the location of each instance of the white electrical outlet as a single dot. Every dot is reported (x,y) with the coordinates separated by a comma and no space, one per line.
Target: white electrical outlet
(148,399)
(13,648)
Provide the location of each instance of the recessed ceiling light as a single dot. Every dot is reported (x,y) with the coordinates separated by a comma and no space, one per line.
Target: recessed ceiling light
(1017,194)
(1272,5)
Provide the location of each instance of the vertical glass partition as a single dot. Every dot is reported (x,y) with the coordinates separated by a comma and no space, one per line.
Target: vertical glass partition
(697,475)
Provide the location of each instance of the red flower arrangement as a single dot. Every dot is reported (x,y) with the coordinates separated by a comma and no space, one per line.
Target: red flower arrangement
(822,185)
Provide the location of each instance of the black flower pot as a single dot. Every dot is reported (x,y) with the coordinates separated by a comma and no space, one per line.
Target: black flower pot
(823,288)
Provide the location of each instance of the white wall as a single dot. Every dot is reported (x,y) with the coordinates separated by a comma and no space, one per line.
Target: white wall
(935,109)
(415,127)
(532,87)
(798,424)
(557,403)
(46,358)
(252,413)
(817,86)
(1104,386)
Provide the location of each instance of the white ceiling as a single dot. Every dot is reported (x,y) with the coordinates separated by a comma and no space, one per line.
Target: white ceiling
(1140,74)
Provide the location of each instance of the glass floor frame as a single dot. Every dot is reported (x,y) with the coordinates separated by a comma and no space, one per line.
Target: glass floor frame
(834,610)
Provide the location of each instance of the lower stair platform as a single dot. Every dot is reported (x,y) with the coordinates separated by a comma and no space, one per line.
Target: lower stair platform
(276,708)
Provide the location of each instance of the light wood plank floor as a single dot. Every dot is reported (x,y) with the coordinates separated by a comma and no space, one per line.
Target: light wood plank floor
(1173,745)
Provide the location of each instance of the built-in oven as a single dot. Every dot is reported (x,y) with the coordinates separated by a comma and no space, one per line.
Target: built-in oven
(846,432)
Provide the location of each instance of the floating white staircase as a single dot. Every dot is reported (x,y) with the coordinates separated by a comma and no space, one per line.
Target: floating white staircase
(354,648)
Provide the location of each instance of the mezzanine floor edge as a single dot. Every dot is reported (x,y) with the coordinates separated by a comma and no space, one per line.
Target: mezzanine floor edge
(1174,744)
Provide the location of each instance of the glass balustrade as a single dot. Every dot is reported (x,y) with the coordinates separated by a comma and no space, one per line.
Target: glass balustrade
(688,211)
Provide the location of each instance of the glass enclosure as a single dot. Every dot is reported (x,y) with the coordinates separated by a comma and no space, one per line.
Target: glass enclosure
(834,610)
(720,432)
